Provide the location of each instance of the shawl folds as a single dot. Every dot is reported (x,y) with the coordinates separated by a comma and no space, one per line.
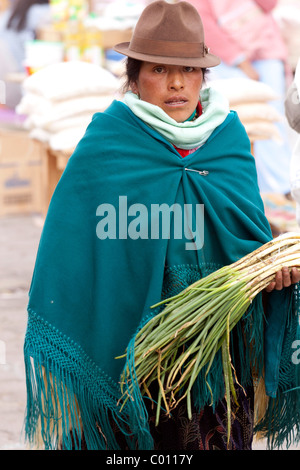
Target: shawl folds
(89,296)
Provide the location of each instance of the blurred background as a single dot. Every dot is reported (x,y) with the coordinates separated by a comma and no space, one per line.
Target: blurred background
(58,67)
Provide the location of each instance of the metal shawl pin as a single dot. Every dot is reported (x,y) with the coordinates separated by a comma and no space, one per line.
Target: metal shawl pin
(202,173)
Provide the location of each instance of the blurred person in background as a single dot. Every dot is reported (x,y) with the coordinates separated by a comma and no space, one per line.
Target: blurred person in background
(248,40)
(18,24)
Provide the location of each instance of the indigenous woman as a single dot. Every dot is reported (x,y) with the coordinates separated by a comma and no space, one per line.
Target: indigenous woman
(161,191)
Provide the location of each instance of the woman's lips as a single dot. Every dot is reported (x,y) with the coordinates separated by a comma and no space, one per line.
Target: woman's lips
(176,101)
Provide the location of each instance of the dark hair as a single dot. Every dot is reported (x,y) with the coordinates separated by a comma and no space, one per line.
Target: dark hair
(132,71)
(18,16)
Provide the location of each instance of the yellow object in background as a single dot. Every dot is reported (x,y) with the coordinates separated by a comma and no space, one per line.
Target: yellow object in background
(63,10)
(93,42)
(73,40)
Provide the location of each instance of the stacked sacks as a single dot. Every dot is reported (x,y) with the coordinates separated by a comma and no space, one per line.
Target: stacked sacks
(60,100)
(251,100)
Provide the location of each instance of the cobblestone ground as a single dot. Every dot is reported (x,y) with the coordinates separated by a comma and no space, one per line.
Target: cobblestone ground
(19,237)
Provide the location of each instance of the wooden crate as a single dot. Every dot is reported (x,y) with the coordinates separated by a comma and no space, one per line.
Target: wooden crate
(23,174)
(56,162)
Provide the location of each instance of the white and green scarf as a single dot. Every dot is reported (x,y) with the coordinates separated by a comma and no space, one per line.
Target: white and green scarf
(188,134)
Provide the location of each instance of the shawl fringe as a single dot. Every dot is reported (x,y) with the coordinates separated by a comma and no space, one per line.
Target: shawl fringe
(71,404)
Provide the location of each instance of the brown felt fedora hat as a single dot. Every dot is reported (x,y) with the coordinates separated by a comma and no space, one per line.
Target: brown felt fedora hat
(169,33)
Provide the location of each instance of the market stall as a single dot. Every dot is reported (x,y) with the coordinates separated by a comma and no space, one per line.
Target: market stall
(79,39)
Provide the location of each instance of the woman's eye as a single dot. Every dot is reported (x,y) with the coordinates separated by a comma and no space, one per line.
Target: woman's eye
(188,69)
(159,69)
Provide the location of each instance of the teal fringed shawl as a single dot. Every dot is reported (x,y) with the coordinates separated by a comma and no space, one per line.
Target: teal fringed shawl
(89,296)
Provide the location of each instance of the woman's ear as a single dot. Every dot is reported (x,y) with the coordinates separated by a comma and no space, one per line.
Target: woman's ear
(134,88)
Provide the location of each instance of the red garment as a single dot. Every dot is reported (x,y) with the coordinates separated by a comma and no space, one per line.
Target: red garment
(184,152)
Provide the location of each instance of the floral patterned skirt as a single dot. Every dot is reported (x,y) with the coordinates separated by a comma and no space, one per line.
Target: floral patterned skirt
(206,430)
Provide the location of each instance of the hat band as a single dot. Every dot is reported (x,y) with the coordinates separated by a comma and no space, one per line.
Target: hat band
(168,48)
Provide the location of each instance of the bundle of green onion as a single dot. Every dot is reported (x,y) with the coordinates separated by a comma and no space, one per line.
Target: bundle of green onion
(175,345)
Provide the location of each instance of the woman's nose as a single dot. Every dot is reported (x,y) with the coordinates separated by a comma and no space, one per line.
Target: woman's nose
(176,81)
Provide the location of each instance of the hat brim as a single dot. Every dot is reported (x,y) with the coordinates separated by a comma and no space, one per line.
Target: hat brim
(209,60)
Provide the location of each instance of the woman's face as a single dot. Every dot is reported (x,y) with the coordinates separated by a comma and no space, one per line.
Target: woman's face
(173,88)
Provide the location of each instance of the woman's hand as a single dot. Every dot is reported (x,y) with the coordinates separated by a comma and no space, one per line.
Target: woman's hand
(284,278)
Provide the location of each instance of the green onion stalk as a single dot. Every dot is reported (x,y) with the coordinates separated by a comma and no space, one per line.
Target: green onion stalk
(173,347)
